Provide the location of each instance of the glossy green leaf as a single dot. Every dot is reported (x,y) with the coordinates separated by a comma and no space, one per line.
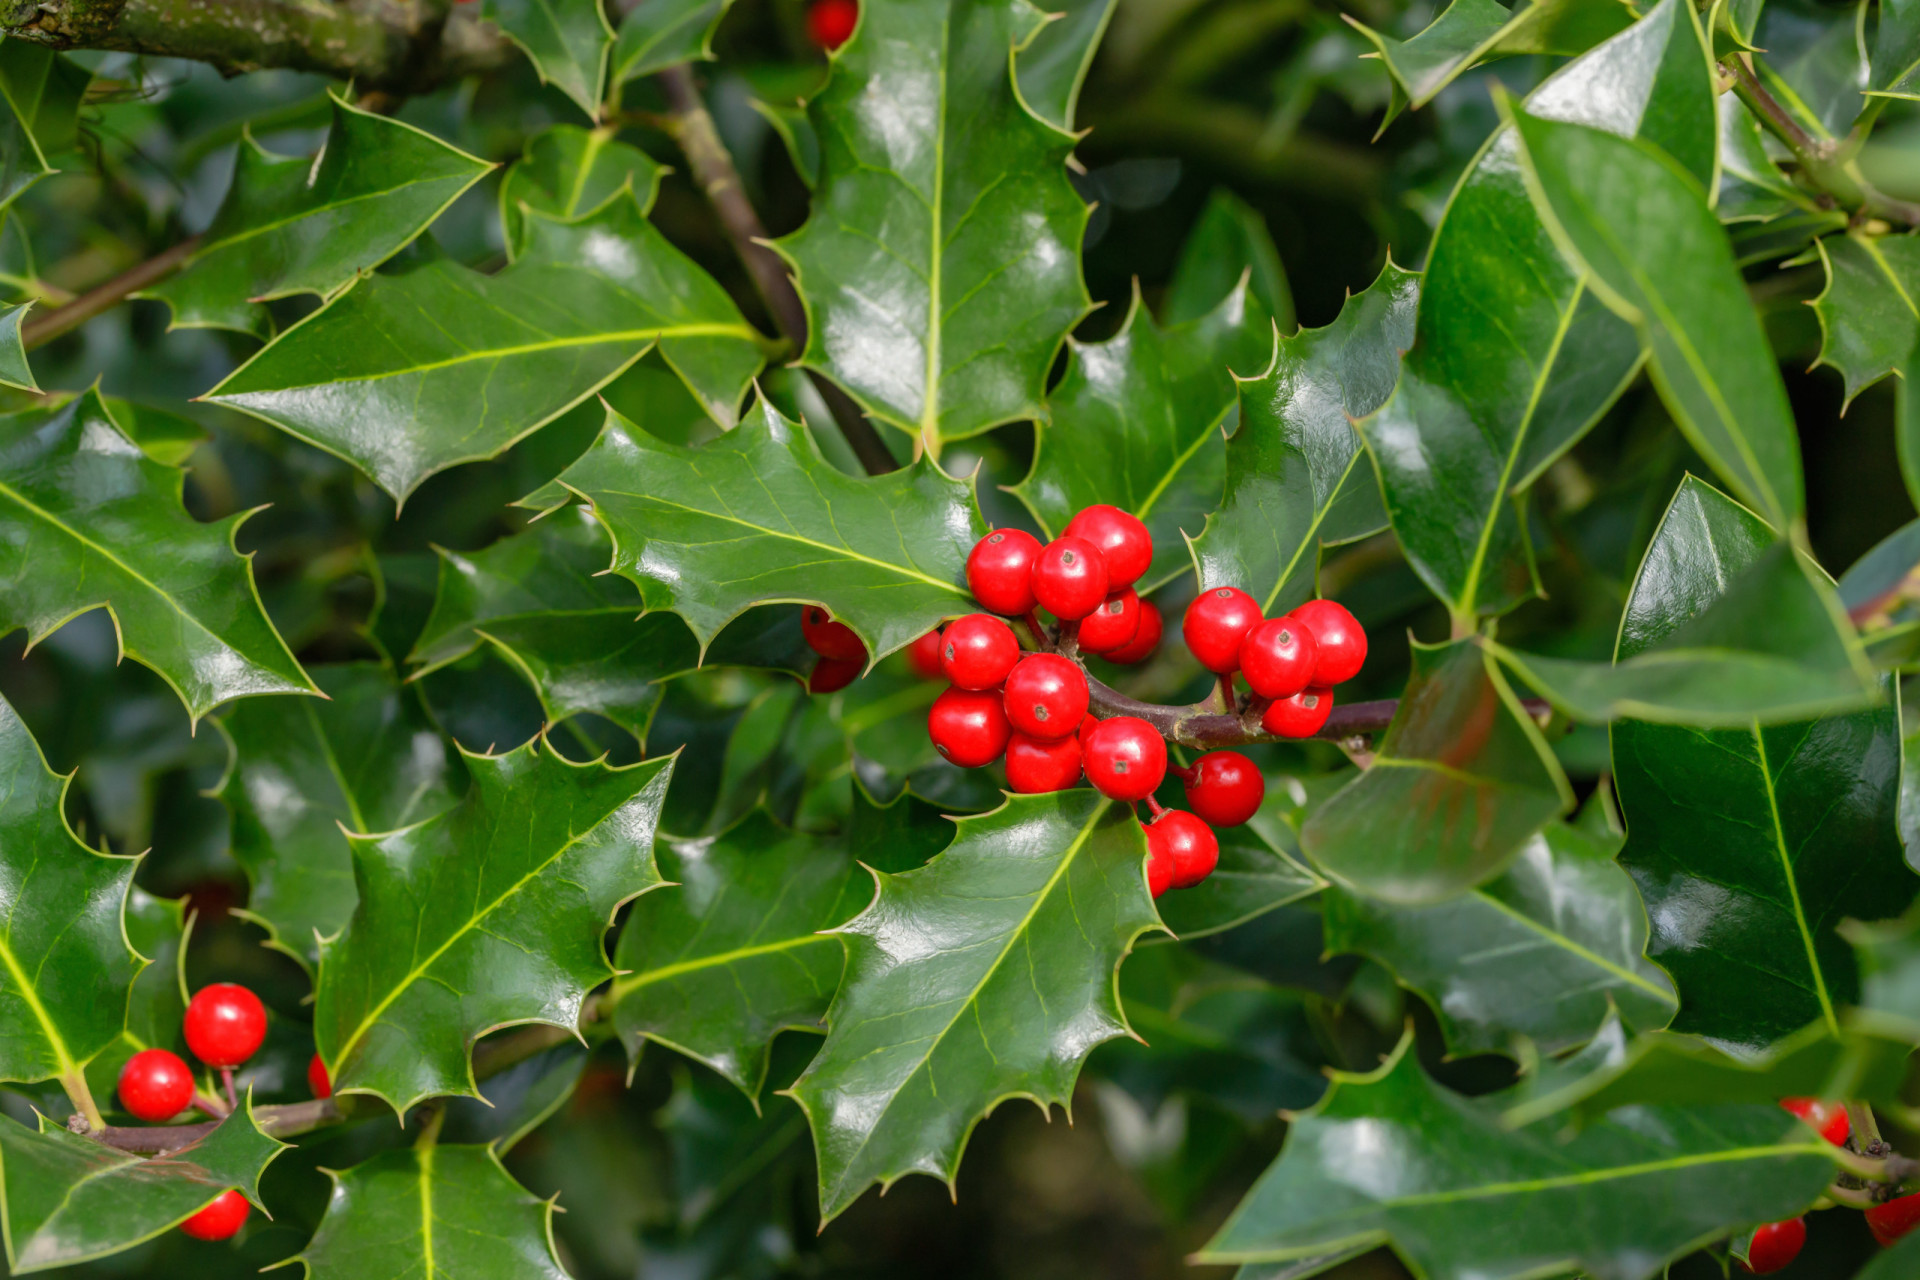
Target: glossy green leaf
(1135,423)
(431,1211)
(405,375)
(1639,225)
(610,664)
(759,516)
(14,369)
(797,134)
(101,524)
(487,915)
(567,172)
(941,263)
(1229,241)
(1393,1158)
(157,1001)
(1297,476)
(1869,319)
(1895,58)
(566,40)
(1889,959)
(657,34)
(1260,870)
(1752,187)
(1461,781)
(1902,1259)
(1053,65)
(301,224)
(987,974)
(306,773)
(69,1199)
(40,92)
(168,438)
(1543,951)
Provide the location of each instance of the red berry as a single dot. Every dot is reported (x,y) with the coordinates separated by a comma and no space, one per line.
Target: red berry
(830,675)
(317,1080)
(1087,725)
(1277,657)
(1340,641)
(1069,578)
(1125,758)
(1300,716)
(1113,625)
(1191,846)
(968,728)
(1216,622)
(831,22)
(156,1085)
(1034,766)
(924,654)
(977,651)
(1774,1245)
(1000,571)
(1046,696)
(1145,640)
(828,638)
(1894,1219)
(225,1023)
(220,1220)
(1159,867)
(1123,541)
(1830,1118)
(1225,788)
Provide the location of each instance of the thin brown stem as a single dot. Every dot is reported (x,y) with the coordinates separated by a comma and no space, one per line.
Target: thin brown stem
(48,325)
(285,1121)
(1825,163)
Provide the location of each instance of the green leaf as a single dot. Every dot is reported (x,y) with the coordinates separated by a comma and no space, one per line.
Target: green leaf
(156,928)
(1053,64)
(487,915)
(1639,225)
(65,966)
(41,92)
(368,378)
(101,524)
(1392,1158)
(1297,476)
(796,133)
(1136,423)
(1259,870)
(1544,951)
(1875,592)
(308,773)
(168,438)
(987,974)
(1896,51)
(567,172)
(1513,357)
(1902,1259)
(608,663)
(1752,187)
(69,1199)
(14,369)
(1889,958)
(941,263)
(1461,781)
(301,224)
(566,40)
(1869,317)
(657,34)
(1229,241)
(758,516)
(431,1211)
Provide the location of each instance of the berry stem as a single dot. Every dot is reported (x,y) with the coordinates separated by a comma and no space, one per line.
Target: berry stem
(1036,635)
(226,1080)
(211,1105)
(1153,807)
(75,1083)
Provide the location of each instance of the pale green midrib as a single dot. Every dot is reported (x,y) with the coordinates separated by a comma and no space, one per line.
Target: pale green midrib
(1880,260)
(973,996)
(930,393)
(1312,535)
(1591,957)
(1793,885)
(596,142)
(333,766)
(1180,462)
(62,1056)
(264,228)
(626,986)
(425,1155)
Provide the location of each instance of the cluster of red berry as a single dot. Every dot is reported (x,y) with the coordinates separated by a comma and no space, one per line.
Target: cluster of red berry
(224,1026)
(1774,1245)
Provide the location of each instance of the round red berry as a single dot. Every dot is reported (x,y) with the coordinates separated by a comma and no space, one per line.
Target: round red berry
(1225,788)
(1774,1246)
(155,1085)
(1113,625)
(1830,1118)
(977,651)
(220,1220)
(1216,622)
(831,22)
(1340,644)
(317,1081)
(1159,866)
(1046,696)
(1125,758)
(1069,578)
(225,1023)
(1087,725)
(830,675)
(1145,640)
(1124,542)
(1191,847)
(924,654)
(967,727)
(1301,716)
(828,638)
(1000,571)
(1894,1219)
(1277,657)
(1034,766)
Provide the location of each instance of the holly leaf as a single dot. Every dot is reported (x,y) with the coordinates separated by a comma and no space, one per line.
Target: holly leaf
(432,1210)
(989,973)
(657,34)
(1461,781)
(1752,186)
(1229,241)
(1297,478)
(1896,52)
(1514,358)
(1869,323)
(370,378)
(14,369)
(40,94)
(566,172)
(308,774)
(609,663)
(941,263)
(1136,424)
(1900,1259)
(1392,1158)
(566,40)
(1053,65)
(488,915)
(69,1199)
(1543,951)
(759,516)
(156,928)
(310,224)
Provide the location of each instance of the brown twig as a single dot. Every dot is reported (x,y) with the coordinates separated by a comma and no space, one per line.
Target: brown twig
(285,1121)
(48,325)
(1824,162)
